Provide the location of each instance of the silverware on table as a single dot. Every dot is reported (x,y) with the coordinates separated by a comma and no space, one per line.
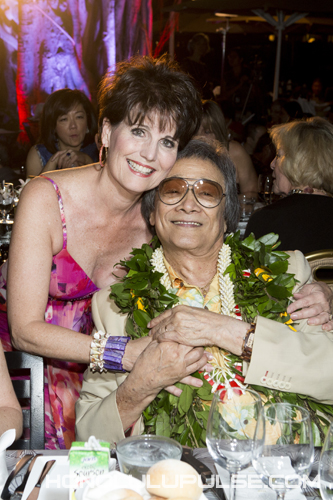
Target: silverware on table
(5,495)
(17,495)
(46,469)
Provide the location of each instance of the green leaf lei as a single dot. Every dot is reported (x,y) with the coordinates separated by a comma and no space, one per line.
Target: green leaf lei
(265,291)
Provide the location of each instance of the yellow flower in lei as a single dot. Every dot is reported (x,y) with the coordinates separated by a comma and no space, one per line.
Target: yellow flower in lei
(263,274)
(140,305)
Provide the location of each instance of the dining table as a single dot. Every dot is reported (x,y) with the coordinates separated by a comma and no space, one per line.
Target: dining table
(201,454)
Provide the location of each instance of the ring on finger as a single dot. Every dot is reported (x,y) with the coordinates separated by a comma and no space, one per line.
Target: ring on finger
(68,153)
(330,317)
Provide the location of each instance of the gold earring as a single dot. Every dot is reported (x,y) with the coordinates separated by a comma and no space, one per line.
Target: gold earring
(103,156)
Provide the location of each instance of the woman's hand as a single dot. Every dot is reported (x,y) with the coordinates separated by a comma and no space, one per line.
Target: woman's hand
(199,327)
(315,302)
(67,159)
(160,365)
(135,347)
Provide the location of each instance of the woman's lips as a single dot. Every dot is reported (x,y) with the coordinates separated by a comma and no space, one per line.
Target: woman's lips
(141,170)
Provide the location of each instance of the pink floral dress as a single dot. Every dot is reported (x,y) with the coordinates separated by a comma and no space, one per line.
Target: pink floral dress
(69,305)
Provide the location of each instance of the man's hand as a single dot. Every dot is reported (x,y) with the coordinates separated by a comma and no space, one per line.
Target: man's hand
(192,326)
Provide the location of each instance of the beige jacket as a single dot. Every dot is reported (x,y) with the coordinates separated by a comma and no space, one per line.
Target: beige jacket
(300,362)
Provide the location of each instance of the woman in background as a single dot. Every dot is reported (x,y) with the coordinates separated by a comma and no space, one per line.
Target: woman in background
(303,175)
(213,125)
(67,130)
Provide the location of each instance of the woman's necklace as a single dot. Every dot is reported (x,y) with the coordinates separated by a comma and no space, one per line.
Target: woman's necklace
(309,190)
(226,287)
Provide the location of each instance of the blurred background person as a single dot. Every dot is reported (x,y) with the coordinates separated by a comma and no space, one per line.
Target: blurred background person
(198,47)
(67,134)
(303,174)
(213,125)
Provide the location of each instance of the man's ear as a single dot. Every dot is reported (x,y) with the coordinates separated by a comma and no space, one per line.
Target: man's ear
(106,132)
(152,219)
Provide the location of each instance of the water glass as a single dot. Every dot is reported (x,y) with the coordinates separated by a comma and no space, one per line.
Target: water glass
(326,466)
(246,206)
(137,454)
(283,447)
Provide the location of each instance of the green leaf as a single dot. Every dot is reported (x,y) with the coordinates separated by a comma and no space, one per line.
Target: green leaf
(141,318)
(316,435)
(278,267)
(278,292)
(163,425)
(186,398)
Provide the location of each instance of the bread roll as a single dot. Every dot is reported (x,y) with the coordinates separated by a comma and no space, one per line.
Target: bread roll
(174,479)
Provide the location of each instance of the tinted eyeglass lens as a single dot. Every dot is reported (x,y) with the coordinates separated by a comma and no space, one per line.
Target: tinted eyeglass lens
(171,191)
(209,194)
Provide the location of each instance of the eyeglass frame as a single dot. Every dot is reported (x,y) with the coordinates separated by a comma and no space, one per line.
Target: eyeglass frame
(188,189)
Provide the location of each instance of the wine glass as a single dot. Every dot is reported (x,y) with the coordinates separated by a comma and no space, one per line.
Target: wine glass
(6,199)
(283,446)
(265,184)
(230,429)
(326,466)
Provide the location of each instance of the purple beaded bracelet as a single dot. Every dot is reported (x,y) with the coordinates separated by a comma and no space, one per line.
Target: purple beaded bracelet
(114,352)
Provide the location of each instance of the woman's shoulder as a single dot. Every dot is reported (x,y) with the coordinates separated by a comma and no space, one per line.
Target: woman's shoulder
(236,149)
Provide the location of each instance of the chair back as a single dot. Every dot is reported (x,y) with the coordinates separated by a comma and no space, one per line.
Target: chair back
(321,263)
(27,374)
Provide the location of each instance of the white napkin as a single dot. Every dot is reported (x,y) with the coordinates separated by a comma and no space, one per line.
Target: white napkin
(113,481)
(6,439)
(250,486)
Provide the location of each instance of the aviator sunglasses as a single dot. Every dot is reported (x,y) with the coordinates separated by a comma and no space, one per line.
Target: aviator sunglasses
(208,193)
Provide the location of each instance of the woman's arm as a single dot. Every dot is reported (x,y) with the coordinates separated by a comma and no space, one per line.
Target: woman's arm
(10,410)
(245,171)
(111,403)
(67,159)
(37,236)
(33,163)
(60,160)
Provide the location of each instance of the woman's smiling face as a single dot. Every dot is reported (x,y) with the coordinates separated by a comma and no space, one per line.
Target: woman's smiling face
(140,156)
(188,225)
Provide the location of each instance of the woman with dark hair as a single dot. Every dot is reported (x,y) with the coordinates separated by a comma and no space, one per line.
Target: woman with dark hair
(73,226)
(67,132)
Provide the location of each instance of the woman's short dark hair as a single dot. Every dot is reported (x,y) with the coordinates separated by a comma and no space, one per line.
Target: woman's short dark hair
(143,85)
(214,151)
(59,103)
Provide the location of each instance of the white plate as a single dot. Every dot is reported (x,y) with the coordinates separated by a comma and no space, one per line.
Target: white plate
(56,484)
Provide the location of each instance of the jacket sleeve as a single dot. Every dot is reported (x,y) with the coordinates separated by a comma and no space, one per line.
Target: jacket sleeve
(96,409)
(298,362)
